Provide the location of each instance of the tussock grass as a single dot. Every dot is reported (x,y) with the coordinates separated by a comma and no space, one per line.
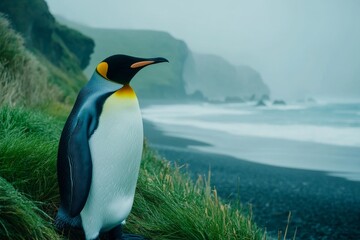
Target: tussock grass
(168,205)
(20,218)
(28,148)
(23,80)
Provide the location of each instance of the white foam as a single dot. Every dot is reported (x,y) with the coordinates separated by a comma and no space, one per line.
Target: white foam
(338,152)
(186,110)
(337,160)
(349,136)
(183,115)
(284,107)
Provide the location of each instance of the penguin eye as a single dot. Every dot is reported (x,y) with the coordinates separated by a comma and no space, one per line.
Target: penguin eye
(102,69)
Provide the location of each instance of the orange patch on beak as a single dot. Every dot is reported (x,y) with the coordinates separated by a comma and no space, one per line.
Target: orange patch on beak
(141,64)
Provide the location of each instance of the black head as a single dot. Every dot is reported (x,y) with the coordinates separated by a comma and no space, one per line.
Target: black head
(122,68)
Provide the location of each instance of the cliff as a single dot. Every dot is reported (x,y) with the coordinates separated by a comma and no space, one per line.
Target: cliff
(217,79)
(65,52)
(159,81)
(188,76)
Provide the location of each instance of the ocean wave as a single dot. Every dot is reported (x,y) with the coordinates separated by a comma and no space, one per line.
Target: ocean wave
(348,112)
(338,129)
(341,136)
(284,107)
(321,137)
(185,110)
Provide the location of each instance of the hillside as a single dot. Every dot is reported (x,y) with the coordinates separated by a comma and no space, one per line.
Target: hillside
(62,51)
(187,74)
(23,81)
(219,80)
(159,81)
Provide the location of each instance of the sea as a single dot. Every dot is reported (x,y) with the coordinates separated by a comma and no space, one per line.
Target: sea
(322,136)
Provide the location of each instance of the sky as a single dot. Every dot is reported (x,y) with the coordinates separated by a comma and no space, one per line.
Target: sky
(302,48)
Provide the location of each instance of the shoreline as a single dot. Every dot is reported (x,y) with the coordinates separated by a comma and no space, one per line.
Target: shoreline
(322,206)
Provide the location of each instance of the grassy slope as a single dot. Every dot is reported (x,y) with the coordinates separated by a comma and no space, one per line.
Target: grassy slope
(63,52)
(22,78)
(167,204)
(18,214)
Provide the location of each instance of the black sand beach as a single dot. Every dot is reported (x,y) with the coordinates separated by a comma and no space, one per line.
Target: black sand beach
(322,206)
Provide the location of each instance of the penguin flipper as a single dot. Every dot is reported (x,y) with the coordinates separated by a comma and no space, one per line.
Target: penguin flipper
(74,165)
(80,164)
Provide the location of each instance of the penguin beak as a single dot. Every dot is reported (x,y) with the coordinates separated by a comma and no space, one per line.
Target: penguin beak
(147,62)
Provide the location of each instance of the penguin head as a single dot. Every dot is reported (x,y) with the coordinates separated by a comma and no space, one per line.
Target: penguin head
(122,68)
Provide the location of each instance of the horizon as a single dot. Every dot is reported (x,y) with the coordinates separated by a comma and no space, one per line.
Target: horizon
(302,50)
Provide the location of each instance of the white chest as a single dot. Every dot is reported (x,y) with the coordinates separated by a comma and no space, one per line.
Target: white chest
(116,149)
(116,144)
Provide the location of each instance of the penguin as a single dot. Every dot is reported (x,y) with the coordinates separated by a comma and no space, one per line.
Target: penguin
(100,150)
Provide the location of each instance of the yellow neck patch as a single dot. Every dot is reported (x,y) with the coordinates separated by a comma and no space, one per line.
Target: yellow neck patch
(125,92)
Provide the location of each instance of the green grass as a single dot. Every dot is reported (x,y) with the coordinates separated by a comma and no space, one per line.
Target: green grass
(168,205)
(23,80)
(20,218)
(28,149)
(30,78)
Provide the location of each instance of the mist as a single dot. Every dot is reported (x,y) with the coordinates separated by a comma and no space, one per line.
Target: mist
(301,48)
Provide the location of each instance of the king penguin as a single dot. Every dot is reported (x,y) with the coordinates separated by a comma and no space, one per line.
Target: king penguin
(100,150)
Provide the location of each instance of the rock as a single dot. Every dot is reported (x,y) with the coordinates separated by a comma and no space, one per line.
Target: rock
(265,97)
(197,95)
(279,102)
(311,100)
(261,103)
(234,100)
(217,78)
